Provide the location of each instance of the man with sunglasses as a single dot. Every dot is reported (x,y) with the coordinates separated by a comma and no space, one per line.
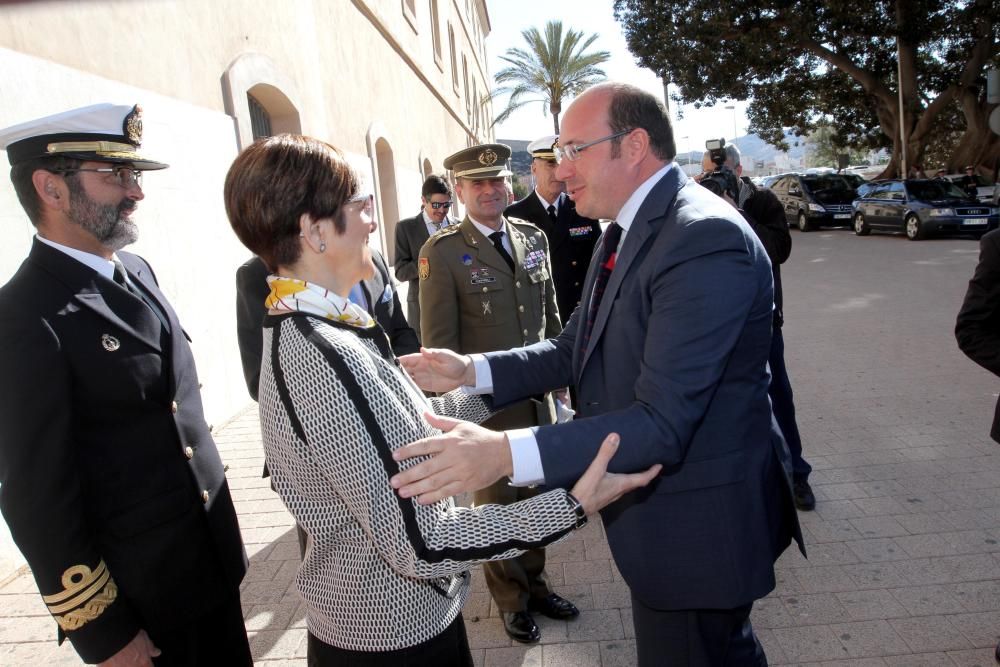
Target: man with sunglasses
(412,233)
(109,479)
(669,349)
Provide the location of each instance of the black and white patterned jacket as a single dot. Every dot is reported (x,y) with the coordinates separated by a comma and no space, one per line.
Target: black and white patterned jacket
(381,572)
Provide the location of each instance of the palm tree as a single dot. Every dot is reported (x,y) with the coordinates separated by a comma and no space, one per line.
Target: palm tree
(552,67)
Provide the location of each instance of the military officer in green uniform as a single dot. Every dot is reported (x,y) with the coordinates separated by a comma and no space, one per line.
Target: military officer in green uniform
(485,285)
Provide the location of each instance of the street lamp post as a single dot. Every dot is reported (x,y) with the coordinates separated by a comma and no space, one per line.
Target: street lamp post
(733,107)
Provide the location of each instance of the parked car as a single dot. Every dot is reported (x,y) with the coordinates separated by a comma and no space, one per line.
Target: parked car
(770,180)
(921,207)
(814,201)
(984,189)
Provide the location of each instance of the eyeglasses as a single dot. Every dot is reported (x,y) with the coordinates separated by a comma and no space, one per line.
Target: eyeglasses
(440,204)
(572,151)
(124,177)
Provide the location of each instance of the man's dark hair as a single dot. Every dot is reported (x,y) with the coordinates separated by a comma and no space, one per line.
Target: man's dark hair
(20,176)
(435,185)
(276,180)
(632,108)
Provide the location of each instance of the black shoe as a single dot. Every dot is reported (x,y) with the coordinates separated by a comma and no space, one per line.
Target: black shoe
(554,606)
(521,627)
(803,494)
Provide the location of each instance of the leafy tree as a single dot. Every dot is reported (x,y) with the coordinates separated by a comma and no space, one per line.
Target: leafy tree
(824,146)
(552,68)
(803,61)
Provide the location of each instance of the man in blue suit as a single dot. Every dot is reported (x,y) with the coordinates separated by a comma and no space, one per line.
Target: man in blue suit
(669,349)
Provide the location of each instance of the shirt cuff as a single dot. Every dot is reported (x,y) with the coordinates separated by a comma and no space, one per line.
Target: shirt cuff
(526,460)
(484,377)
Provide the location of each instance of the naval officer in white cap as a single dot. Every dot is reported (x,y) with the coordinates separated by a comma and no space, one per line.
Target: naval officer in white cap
(109,479)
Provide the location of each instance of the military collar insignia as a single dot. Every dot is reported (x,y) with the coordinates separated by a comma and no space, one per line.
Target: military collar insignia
(132,125)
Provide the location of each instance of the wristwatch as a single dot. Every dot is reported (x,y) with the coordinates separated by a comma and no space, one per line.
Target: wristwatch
(578,511)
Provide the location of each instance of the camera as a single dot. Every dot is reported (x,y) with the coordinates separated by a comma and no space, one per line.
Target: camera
(721,180)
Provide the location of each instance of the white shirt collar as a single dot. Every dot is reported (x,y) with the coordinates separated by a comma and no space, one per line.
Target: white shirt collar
(486,231)
(627,213)
(430,222)
(546,204)
(103,266)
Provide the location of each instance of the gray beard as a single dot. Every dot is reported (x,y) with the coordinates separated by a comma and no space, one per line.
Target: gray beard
(107,223)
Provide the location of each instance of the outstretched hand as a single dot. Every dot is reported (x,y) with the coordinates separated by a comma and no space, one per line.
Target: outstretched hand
(439,370)
(465,457)
(137,653)
(598,488)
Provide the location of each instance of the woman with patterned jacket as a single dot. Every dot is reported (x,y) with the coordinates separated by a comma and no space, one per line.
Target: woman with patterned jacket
(384,578)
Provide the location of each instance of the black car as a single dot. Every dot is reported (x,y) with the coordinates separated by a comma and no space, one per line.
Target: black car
(920,207)
(811,201)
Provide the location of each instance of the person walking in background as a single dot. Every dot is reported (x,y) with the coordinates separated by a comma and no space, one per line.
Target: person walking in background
(412,233)
(977,327)
(109,478)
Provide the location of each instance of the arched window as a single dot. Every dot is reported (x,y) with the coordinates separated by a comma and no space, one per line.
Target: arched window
(435,33)
(454,59)
(260,120)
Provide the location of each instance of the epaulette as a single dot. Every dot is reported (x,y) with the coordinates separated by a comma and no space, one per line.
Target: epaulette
(441,233)
(519,222)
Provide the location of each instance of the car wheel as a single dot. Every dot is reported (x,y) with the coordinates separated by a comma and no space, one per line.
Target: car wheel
(861,228)
(914,230)
(804,224)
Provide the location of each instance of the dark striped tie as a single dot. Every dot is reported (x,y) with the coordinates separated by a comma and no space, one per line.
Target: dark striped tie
(497,239)
(609,253)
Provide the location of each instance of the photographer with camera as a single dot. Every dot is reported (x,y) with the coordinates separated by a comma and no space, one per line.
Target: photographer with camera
(723,176)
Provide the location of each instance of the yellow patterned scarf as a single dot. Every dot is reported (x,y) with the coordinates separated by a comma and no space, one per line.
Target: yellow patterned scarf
(289,295)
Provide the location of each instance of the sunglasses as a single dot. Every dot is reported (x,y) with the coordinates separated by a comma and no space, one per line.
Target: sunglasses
(440,204)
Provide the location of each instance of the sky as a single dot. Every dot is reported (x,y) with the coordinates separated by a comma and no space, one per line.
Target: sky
(509,17)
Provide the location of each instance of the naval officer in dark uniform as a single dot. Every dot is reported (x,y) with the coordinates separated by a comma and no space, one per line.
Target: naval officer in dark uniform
(109,479)
(486,284)
(571,236)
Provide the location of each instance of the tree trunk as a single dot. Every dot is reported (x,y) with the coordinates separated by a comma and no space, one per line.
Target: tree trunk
(555,122)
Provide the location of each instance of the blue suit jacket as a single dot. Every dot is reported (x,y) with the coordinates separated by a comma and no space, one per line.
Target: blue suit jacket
(678,366)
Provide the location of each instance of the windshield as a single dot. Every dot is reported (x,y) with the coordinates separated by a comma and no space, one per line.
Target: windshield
(817,184)
(931,190)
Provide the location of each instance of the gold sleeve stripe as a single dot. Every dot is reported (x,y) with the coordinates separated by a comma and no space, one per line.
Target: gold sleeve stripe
(74,580)
(82,597)
(79,617)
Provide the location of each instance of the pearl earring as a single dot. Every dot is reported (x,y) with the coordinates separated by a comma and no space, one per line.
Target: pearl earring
(322,247)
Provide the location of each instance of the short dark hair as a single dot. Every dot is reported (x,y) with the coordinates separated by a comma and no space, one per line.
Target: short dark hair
(632,108)
(21,175)
(435,185)
(276,180)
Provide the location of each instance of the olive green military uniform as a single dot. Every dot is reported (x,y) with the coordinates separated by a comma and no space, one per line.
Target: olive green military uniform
(470,301)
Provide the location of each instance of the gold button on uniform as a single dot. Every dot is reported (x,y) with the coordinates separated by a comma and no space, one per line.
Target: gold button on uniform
(517,284)
(204,496)
(524,332)
(573,263)
(520,309)
(173,407)
(486,289)
(189,452)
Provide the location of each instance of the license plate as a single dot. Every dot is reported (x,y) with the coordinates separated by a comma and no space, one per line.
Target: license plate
(976,221)
(841,216)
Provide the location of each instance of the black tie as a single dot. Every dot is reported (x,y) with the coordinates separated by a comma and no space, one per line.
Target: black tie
(609,253)
(119,276)
(497,239)
(552,213)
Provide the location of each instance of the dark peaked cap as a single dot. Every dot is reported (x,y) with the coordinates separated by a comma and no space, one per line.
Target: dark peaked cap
(480,162)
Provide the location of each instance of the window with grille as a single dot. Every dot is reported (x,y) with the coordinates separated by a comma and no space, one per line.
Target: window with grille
(260,120)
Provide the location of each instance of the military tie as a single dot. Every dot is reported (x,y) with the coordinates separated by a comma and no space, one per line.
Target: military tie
(497,239)
(609,253)
(552,213)
(119,276)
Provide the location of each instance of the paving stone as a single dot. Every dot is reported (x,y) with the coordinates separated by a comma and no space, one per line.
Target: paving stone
(918,660)
(927,600)
(618,653)
(980,628)
(487,633)
(586,654)
(814,609)
(869,638)
(878,526)
(772,647)
(973,658)
(810,644)
(612,595)
(930,633)
(274,644)
(978,595)
(871,604)
(587,572)
(877,550)
(270,616)
(514,656)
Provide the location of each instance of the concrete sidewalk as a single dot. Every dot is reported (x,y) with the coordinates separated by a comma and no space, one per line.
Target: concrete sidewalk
(904,546)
